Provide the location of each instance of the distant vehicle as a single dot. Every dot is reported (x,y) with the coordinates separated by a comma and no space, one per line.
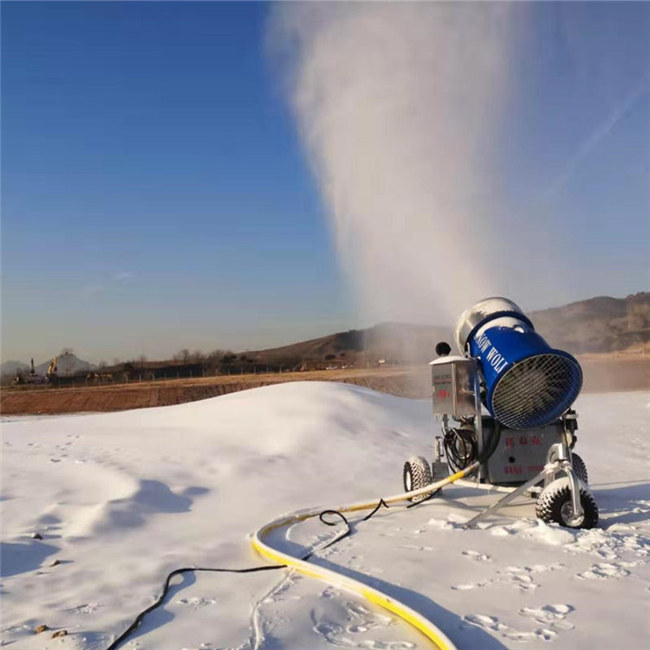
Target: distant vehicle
(51,369)
(31,378)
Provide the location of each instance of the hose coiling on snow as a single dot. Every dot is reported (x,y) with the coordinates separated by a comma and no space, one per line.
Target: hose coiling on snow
(403,611)
(301,565)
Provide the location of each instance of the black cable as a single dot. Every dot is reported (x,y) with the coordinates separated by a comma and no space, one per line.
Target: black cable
(379,505)
(120,639)
(457,460)
(461,448)
(322,516)
(337,538)
(491,447)
(333,523)
(139,618)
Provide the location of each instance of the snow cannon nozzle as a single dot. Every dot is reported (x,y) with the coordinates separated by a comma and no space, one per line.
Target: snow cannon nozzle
(527,383)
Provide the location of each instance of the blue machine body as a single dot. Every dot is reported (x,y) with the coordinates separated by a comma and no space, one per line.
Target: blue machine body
(527,383)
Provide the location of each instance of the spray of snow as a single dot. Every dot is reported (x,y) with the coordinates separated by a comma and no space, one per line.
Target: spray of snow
(397,106)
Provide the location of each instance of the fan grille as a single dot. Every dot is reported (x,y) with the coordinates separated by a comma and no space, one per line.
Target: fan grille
(536,391)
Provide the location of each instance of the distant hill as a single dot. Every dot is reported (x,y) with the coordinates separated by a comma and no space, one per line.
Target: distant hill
(12,367)
(392,342)
(67,364)
(600,324)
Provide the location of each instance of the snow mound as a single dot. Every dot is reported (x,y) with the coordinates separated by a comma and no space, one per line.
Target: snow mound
(118,500)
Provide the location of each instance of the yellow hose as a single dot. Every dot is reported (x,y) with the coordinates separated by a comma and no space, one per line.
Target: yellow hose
(424,625)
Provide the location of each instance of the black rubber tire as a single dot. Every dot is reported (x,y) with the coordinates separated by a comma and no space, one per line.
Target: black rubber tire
(417,474)
(555,500)
(579,468)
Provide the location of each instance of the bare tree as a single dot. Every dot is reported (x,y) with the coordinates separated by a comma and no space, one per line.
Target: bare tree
(182,355)
(197,356)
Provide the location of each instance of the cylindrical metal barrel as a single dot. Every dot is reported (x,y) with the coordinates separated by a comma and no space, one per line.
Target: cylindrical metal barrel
(527,383)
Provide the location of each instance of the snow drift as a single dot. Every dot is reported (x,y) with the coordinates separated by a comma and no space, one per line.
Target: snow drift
(121,499)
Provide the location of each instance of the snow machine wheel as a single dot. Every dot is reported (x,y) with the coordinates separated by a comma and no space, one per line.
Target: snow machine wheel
(554,505)
(579,468)
(417,474)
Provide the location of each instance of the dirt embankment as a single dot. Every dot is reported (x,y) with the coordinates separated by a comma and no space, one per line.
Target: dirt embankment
(34,400)
(603,373)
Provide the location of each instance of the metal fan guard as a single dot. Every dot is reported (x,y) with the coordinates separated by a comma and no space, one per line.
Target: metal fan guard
(536,391)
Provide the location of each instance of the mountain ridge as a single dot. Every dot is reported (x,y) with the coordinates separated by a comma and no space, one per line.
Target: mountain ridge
(67,364)
(597,325)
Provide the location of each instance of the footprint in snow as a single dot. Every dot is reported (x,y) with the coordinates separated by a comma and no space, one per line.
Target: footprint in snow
(603,571)
(514,576)
(482,620)
(330,592)
(518,577)
(387,645)
(475,555)
(476,585)
(358,620)
(86,608)
(197,602)
(541,568)
(492,623)
(552,615)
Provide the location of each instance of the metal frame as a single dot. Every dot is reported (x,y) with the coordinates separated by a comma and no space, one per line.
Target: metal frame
(561,463)
(558,459)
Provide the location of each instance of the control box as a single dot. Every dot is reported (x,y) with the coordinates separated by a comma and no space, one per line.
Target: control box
(453,381)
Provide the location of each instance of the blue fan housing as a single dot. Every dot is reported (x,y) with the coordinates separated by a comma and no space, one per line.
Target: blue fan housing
(528,383)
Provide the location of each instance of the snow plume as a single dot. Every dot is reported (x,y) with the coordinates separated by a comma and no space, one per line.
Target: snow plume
(397,107)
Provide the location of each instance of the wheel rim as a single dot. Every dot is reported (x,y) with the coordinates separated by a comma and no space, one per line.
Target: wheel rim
(568,517)
(408,481)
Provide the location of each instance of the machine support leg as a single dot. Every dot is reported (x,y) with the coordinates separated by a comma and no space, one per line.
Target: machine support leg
(574,487)
(561,455)
(548,469)
(478,425)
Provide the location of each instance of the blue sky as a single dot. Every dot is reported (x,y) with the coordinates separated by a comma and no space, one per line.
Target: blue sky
(576,151)
(155,196)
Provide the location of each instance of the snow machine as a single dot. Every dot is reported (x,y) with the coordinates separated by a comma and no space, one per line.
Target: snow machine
(525,444)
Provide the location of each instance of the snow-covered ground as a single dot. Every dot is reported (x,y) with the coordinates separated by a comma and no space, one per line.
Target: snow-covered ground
(121,499)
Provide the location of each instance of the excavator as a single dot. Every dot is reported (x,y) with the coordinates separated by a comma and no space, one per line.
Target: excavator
(51,371)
